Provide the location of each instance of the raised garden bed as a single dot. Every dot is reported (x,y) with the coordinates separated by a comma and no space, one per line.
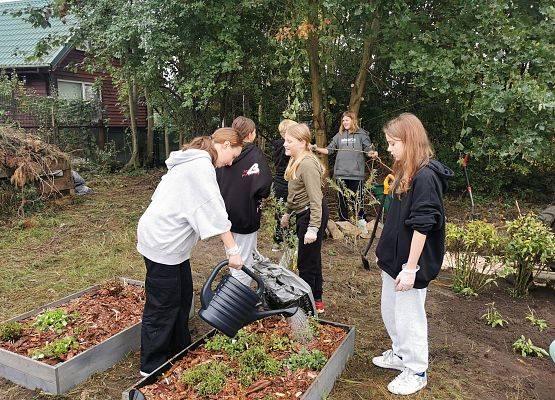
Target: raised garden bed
(262,362)
(59,345)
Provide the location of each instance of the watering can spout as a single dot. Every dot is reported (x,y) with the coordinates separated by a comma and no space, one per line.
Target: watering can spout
(288,312)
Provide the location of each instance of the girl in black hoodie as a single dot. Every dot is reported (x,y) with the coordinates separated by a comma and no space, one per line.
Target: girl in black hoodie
(410,251)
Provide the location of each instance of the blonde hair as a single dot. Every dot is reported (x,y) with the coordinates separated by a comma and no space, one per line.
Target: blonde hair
(354,122)
(206,143)
(417,151)
(283,125)
(300,132)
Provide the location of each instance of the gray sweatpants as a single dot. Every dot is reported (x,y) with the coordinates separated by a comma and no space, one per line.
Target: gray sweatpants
(405,320)
(247,244)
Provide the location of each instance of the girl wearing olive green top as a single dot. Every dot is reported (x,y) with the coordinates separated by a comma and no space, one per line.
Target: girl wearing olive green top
(304,176)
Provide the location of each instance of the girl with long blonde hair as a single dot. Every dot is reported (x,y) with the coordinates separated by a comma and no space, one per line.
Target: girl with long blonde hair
(304,176)
(410,251)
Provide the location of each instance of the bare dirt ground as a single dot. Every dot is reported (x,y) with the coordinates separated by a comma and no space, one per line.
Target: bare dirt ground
(73,245)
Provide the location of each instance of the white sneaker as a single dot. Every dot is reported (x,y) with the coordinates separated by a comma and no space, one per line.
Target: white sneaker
(407,382)
(390,360)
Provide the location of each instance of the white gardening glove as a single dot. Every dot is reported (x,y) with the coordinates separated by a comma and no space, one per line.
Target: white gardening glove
(284,221)
(405,279)
(311,235)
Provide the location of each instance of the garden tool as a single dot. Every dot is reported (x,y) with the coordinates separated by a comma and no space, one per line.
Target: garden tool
(464,163)
(388,179)
(233,305)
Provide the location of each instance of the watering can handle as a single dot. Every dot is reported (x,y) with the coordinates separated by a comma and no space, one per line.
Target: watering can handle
(207,293)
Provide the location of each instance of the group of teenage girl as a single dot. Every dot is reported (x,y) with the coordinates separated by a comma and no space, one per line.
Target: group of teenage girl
(215,186)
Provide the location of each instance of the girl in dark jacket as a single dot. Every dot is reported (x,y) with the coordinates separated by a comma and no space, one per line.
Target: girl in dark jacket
(410,251)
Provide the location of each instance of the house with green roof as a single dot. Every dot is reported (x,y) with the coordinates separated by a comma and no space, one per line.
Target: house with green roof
(60,72)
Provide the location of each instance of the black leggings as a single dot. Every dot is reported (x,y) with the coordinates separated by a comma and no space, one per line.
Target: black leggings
(309,257)
(165,326)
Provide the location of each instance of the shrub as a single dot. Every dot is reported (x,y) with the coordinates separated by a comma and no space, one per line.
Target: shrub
(493,317)
(527,348)
(477,239)
(10,331)
(530,247)
(207,379)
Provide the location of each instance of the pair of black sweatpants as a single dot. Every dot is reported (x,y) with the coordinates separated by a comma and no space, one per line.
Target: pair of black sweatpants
(309,257)
(165,326)
(356,186)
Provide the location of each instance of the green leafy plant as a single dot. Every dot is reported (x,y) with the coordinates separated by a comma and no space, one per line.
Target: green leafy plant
(540,323)
(255,362)
(530,248)
(55,319)
(233,346)
(493,317)
(55,349)
(472,249)
(207,379)
(313,360)
(527,348)
(278,343)
(10,331)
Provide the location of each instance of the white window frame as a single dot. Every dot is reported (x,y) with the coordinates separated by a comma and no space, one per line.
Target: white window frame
(83,84)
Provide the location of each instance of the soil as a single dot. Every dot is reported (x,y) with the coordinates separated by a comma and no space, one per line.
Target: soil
(99,315)
(288,386)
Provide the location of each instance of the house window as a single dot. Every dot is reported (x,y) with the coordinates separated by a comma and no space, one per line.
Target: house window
(74,90)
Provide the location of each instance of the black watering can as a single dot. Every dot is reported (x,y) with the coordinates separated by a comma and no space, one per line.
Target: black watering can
(233,305)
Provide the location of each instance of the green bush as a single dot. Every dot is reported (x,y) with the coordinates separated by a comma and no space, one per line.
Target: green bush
(55,349)
(207,379)
(313,360)
(530,247)
(466,245)
(10,331)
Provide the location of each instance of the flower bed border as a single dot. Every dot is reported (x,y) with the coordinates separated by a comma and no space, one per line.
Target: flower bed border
(59,378)
(320,387)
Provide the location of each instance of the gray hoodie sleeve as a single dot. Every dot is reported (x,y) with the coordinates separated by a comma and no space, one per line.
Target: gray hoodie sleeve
(334,144)
(366,142)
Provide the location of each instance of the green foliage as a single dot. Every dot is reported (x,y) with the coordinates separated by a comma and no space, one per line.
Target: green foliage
(54,319)
(278,343)
(55,349)
(233,346)
(527,348)
(493,317)
(313,360)
(530,247)
(10,331)
(540,323)
(255,362)
(207,379)
(472,256)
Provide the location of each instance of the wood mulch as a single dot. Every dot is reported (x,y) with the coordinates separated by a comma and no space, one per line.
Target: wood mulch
(100,314)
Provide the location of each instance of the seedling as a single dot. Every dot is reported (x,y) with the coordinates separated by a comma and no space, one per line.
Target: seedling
(527,348)
(207,379)
(56,320)
(11,331)
(492,316)
(313,360)
(540,323)
(55,349)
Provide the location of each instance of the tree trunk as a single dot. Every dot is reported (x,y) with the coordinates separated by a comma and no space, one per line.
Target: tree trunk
(149,132)
(315,81)
(357,91)
(167,134)
(134,160)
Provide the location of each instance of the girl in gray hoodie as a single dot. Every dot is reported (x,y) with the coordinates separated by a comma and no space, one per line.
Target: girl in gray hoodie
(186,206)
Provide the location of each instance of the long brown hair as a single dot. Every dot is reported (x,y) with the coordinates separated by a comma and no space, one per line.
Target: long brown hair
(354,122)
(206,143)
(299,132)
(244,126)
(417,152)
